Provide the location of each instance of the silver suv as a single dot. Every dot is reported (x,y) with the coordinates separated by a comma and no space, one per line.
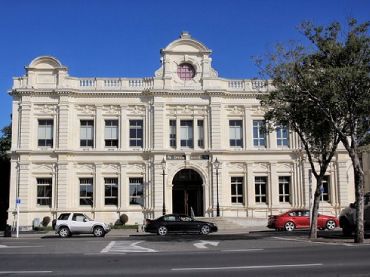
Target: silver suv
(78,223)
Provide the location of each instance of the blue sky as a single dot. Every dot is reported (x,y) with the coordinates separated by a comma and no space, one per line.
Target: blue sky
(112,38)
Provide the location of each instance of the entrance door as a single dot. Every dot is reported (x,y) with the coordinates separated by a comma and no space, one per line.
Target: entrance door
(187,193)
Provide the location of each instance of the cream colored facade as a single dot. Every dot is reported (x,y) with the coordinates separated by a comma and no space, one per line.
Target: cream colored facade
(202,106)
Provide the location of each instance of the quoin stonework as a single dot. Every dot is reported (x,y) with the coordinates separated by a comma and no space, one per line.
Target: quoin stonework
(182,141)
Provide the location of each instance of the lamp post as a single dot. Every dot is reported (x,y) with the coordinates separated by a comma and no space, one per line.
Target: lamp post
(163,174)
(217,165)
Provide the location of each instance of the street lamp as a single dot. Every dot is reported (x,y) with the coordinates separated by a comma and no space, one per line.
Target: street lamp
(163,174)
(217,165)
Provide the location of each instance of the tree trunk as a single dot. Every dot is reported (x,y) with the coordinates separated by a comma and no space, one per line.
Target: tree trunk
(359,191)
(315,209)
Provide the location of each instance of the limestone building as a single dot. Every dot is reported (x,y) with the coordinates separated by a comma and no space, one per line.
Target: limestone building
(182,141)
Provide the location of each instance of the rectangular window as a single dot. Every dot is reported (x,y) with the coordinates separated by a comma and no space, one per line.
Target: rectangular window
(44,191)
(260,189)
(325,189)
(173,133)
(259,138)
(200,133)
(111,191)
(284,189)
(87,133)
(45,132)
(236,133)
(111,133)
(282,136)
(86,191)
(136,191)
(186,133)
(237,190)
(136,133)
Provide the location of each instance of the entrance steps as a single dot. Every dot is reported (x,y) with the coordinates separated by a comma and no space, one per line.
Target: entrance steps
(235,223)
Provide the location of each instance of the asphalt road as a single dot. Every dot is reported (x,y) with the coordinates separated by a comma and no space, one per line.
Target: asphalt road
(255,254)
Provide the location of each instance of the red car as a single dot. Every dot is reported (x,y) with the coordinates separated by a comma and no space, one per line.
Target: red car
(300,219)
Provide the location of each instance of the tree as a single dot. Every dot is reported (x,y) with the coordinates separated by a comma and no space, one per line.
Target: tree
(334,78)
(341,63)
(5,144)
(286,106)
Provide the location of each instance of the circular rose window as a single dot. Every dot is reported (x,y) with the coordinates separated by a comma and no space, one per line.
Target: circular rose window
(185,71)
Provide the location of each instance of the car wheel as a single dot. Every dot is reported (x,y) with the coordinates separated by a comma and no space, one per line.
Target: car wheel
(99,231)
(289,226)
(205,230)
(330,225)
(64,232)
(162,231)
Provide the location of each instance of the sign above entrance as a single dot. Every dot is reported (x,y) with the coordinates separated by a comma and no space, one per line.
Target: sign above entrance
(176,157)
(182,157)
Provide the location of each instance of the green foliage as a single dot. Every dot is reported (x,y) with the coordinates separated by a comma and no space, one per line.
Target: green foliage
(323,92)
(5,142)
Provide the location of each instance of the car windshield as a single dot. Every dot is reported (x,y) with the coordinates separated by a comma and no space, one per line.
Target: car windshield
(88,218)
(185,218)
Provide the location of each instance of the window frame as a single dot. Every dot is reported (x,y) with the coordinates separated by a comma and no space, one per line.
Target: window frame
(133,198)
(172,125)
(187,142)
(284,189)
(113,186)
(87,142)
(111,141)
(44,196)
(258,135)
(136,138)
(45,141)
(89,199)
(237,182)
(280,139)
(234,128)
(259,187)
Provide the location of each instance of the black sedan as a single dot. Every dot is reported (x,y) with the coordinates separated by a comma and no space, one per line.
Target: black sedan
(177,223)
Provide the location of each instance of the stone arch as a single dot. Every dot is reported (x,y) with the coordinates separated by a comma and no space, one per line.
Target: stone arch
(188,191)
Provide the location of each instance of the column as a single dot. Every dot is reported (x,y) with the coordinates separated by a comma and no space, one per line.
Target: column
(26,126)
(61,192)
(273,186)
(124,137)
(158,125)
(123,188)
(250,186)
(99,128)
(63,135)
(343,183)
(195,133)
(216,128)
(98,187)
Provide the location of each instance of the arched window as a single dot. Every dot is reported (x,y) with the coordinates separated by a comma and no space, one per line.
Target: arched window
(185,71)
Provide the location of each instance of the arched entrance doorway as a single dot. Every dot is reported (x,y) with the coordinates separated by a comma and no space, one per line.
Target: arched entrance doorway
(187,192)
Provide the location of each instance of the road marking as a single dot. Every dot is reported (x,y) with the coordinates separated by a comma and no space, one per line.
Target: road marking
(243,250)
(202,244)
(18,246)
(24,272)
(125,247)
(244,267)
(317,242)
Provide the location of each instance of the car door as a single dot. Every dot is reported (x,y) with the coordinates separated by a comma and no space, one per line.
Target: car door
(187,224)
(171,222)
(79,223)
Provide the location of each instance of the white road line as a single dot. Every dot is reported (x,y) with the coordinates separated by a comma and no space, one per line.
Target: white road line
(245,267)
(317,242)
(202,244)
(19,246)
(108,247)
(242,250)
(24,272)
(125,247)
